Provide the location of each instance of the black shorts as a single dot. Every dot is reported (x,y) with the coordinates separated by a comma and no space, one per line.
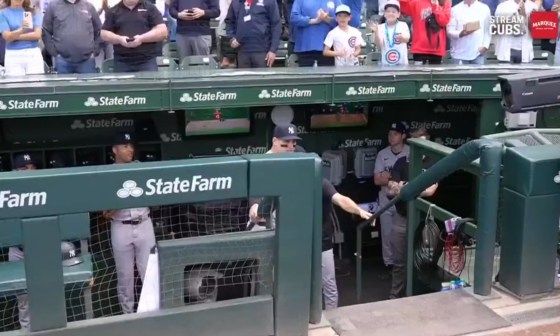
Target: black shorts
(226,50)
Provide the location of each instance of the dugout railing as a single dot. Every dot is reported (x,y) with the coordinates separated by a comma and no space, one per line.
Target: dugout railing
(449,160)
(39,204)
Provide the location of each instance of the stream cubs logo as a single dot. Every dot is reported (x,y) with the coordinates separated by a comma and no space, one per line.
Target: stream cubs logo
(392,57)
(352,42)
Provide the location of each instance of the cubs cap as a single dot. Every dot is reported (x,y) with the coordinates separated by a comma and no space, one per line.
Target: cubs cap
(124,139)
(70,255)
(22,160)
(286,132)
(398,127)
(393,3)
(343,9)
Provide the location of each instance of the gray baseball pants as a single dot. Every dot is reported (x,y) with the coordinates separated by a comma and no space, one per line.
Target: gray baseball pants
(399,244)
(330,290)
(386,220)
(130,243)
(15,254)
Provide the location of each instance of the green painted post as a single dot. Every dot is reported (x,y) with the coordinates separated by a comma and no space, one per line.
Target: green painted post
(488,203)
(294,231)
(43,270)
(316,307)
(415,161)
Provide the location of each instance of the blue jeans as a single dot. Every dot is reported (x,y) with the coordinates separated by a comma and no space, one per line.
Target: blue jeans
(120,66)
(64,67)
(479,60)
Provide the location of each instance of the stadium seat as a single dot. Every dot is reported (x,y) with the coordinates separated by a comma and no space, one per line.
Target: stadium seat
(107,66)
(198,61)
(74,227)
(543,56)
(282,51)
(166,63)
(170,50)
(372,58)
(292,61)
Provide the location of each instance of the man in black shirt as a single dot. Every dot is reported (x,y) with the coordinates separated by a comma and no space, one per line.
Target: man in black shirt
(399,242)
(134,27)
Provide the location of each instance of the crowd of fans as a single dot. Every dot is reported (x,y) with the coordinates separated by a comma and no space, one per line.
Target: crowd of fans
(76,36)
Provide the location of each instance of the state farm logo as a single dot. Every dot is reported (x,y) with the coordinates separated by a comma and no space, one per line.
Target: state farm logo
(286,93)
(544,25)
(130,189)
(444,88)
(370,90)
(207,96)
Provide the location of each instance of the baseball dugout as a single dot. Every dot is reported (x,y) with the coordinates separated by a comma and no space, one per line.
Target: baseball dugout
(279,269)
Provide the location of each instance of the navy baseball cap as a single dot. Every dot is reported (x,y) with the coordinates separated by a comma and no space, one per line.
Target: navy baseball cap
(286,132)
(124,139)
(23,160)
(398,127)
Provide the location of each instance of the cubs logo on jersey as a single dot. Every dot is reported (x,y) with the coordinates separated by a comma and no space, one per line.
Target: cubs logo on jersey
(352,42)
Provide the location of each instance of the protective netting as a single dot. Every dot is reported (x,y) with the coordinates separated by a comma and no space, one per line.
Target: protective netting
(194,272)
(554,138)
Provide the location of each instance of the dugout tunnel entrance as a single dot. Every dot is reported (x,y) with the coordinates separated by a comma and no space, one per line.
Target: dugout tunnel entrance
(41,208)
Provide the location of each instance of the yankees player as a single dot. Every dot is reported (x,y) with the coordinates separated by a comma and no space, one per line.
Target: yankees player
(329,197)
(22,162)
(284,140)
(385,160)
(132,233)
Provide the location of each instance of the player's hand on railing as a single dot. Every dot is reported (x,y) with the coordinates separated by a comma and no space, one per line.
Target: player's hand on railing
(365,215)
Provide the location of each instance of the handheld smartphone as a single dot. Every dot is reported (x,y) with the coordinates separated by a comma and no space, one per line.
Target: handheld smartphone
(27,19)
(130,39)
(190,11)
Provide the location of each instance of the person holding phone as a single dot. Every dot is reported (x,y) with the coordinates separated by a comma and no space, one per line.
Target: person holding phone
(194,36)
(21,27)
(134,27)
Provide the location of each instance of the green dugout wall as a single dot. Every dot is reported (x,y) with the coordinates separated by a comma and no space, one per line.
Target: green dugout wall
(43,197)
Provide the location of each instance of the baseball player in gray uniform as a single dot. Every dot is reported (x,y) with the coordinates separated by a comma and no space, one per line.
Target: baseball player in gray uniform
(132,233)
(22,162)
(385,160)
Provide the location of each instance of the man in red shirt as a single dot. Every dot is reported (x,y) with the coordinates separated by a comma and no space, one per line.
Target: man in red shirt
(429,19)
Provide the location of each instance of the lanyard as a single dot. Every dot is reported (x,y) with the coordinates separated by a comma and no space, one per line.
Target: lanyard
(390,42)
(248,4)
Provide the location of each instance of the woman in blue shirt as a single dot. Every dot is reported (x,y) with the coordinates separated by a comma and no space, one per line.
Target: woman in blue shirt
(312,20)
(21,27)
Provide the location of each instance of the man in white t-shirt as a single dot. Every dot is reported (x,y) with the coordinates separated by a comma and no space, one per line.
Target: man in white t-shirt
(345,40)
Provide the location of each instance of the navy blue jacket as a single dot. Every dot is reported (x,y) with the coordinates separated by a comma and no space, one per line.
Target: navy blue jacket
(199,27)
(260,34)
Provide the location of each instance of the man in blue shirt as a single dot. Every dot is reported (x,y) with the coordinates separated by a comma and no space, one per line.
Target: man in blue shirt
(254,29)
(312,21)
(355,11)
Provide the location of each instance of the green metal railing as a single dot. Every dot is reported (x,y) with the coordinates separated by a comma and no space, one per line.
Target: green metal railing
(449,160)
